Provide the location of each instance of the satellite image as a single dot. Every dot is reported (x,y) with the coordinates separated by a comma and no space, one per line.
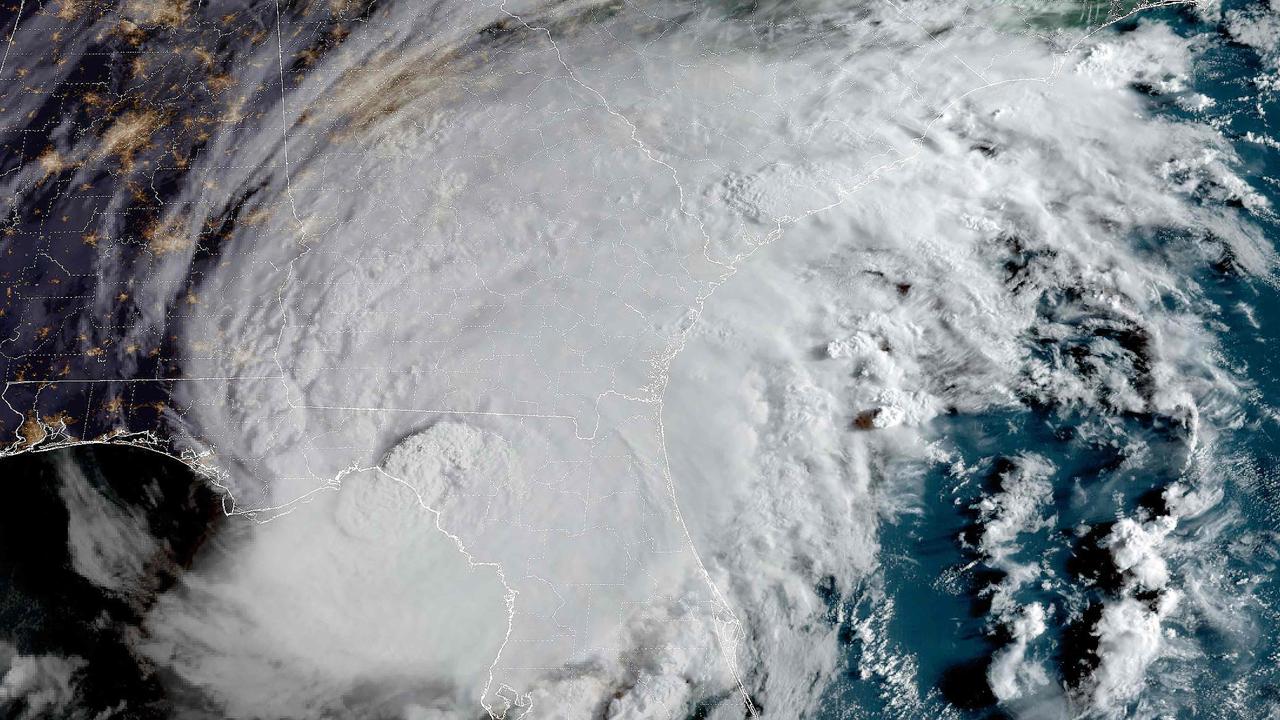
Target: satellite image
(639,359)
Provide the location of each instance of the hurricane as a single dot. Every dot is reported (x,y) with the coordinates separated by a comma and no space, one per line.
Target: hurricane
(662,359)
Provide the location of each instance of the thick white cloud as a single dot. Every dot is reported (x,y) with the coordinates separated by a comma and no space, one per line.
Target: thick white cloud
(590,351)
(1130,639)
(1135,549)
(356,600)
(1011,675)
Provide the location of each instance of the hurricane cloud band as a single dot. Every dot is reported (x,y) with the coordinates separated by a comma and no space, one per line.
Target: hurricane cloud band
(565,353)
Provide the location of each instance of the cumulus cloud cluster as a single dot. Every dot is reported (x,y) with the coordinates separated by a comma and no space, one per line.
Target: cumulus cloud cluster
(37,686)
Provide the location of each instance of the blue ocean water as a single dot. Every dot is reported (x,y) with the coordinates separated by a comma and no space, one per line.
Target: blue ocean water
(928,606)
